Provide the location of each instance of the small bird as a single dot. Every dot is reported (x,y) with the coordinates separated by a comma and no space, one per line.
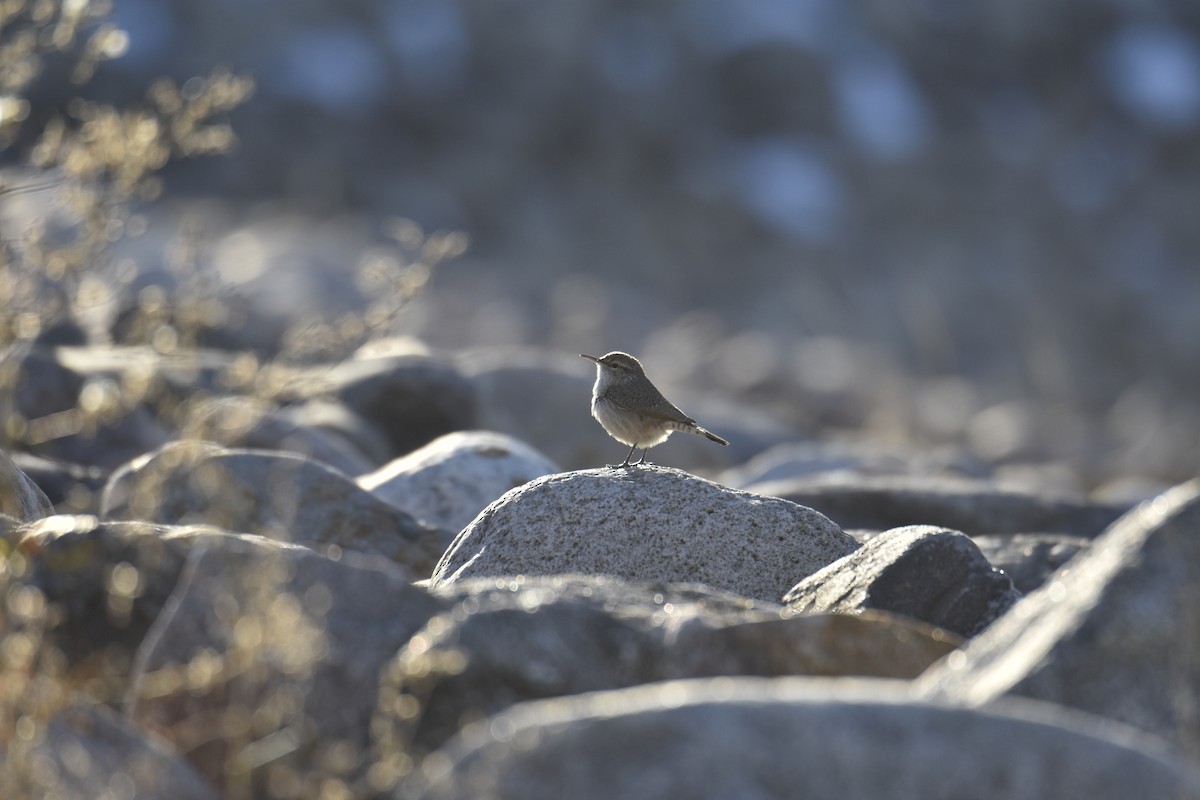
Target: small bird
(632,410)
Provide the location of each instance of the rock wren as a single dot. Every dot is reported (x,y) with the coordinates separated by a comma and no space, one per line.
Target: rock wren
(632,410)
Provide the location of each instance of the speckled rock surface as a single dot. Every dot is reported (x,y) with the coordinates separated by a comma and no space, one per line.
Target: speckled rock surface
(931,574)
(278,495)
(796,737)
(647,523)
(450,480)
(1114,632)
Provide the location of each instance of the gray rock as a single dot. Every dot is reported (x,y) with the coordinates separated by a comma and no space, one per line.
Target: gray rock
(1113,632)
(338,421)
(277,495)
(931,574)
(646,523)
(796,737)
(61,333)
(34,383)
(88,751)
(70,414)
(450,480)
(19,496)
(1030,558)
(622,597)
(249,424)
(107,440)
(515,640)
(411,399)
(104,584)
(268,659)
(973,507)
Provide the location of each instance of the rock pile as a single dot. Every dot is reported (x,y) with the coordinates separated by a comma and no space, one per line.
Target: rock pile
(442,613)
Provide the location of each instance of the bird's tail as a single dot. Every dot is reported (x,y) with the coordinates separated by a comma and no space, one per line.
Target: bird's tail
(710,435)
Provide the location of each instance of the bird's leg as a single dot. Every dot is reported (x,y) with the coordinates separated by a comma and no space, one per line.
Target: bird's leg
(629,455)
(642,460)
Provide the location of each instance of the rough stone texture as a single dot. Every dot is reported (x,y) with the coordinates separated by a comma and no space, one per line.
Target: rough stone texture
(796,737)
(931,574)
(411,399)
(450,480)
(250,424)
(277,495)
(973,507)
(1115,632)
(513,640)
(105,584)
(1030,558)
(646,523)
(88,751)
(19,496)
(294,637)
(71,488)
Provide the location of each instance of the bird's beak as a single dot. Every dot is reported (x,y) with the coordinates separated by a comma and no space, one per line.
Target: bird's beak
(589,358)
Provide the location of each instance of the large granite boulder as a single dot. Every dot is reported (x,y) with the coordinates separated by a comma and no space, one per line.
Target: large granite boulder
(647,523)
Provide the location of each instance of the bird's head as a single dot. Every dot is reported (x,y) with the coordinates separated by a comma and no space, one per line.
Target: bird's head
(617,363)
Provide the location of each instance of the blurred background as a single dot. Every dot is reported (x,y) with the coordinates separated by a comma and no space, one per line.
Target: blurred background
(928,222)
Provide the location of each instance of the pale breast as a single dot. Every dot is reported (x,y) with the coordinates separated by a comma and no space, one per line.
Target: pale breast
(628,428)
